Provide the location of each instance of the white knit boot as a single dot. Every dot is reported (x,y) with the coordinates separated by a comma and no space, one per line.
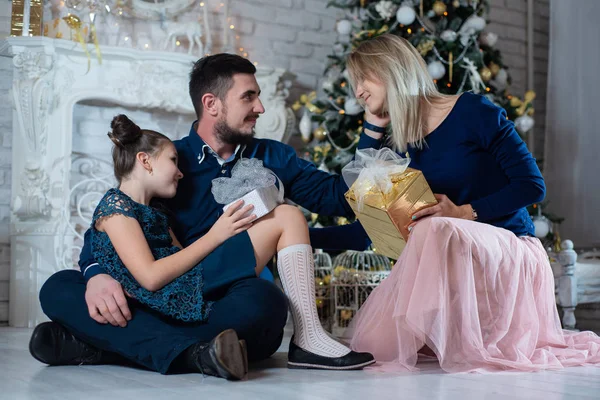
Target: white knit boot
(296,271)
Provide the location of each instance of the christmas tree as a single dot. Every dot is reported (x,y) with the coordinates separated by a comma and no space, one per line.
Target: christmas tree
(449,35)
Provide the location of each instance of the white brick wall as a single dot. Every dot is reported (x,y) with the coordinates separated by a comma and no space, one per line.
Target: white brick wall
(508,18)
(299,41)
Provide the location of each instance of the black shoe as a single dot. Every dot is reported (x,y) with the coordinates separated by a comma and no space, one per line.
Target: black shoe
(302,359)
(225,356)
(53,344)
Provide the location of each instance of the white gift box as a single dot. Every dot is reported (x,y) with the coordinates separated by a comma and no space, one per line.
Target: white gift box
(263,199)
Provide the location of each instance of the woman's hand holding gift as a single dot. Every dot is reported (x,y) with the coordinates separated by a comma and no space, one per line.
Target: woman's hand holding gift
(444,208)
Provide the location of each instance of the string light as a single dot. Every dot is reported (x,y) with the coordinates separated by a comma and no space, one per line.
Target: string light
(409,31)
(231,26)
(178,43)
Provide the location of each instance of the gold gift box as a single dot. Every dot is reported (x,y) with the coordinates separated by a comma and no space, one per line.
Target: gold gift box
(386,216)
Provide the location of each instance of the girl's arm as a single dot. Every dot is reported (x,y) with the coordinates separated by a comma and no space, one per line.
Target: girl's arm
(128,239)
(174,242)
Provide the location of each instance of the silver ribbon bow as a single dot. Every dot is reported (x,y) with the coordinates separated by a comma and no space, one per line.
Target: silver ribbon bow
(247,175)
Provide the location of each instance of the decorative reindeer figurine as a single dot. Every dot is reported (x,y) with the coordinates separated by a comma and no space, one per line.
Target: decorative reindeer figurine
(191,30)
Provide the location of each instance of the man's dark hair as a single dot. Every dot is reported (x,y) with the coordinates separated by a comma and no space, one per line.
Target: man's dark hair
(214,74)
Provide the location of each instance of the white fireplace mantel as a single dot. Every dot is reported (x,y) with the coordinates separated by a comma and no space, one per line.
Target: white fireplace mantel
(50,77)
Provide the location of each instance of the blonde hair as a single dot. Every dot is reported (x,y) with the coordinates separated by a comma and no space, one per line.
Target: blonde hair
(395,63)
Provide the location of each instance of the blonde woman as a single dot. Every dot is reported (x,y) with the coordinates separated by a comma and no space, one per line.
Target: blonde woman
(473,284)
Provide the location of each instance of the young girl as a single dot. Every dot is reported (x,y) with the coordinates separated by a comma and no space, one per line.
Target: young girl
(134,243)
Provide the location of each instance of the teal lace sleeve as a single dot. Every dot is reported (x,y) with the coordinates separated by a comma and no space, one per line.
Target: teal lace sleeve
(113,203)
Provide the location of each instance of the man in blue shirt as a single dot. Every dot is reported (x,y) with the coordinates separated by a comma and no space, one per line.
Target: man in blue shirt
(119,329)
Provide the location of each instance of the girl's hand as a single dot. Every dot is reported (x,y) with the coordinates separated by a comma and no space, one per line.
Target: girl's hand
(444,208)
(233,221)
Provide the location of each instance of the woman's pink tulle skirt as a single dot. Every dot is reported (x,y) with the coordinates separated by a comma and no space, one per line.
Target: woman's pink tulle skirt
(480,297)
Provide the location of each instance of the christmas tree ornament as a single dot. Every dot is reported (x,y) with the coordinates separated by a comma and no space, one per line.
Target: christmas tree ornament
(320,133)
(352,106)
(515,101)
(495,68)
(338,49)
(406,15)
(472,25)
(439,8)
(448,35)
(425,46)
(436,70)
(488,38)
(327,85)
(344,27)
(386,9)
(305,127)
(524,123)
(527,100)
(500,81)
(542,225)
(486,74)
(456,4)
(346,75)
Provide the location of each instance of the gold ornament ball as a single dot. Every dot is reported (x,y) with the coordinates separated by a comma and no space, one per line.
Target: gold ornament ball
(495,68)
(346,314)
(320,134)
(439,8)
(485,73)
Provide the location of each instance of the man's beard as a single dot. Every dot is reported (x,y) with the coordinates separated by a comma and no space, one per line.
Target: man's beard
(228,135)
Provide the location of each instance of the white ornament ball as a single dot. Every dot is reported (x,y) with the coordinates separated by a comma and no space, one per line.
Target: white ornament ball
(346,75)
(327,85)
(338,49)
(436,69)
(305,127)
(488,39)
(475,22)
(500,80)
(352,107)
(448,35)
(542,227)
(524,123)
(406,15)
(344,27)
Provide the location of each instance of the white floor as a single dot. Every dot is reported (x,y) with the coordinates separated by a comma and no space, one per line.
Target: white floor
(22,377)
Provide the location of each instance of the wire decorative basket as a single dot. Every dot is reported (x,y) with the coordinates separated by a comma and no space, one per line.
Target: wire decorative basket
(355,275)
